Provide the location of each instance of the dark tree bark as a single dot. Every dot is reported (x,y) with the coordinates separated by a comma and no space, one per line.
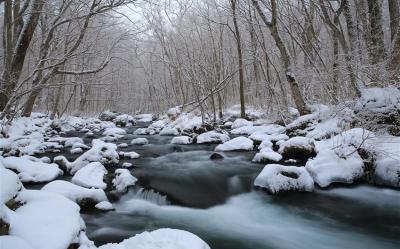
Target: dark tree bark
(376,32)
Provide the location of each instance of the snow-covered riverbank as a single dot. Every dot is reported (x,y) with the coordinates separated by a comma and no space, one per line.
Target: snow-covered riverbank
(125,175)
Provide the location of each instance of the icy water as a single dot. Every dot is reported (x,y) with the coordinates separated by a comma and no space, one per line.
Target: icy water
(180,187)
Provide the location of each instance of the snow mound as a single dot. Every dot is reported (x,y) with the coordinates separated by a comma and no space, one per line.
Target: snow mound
(267,155)
(212,137)
(328,167)
(131,155)
(123,179)
(162,238)
(10,185)
(169,132)
(182,140)
(91,176)
(124,120)
(240,122)
(13,242)
(379,99)
(74,192)
(47,220)
(140,141)
(299,148)
(277,178)
(104,205)
(267,129)
(32,169)
(103,152)
(238,143)
(114,132)
(144,117)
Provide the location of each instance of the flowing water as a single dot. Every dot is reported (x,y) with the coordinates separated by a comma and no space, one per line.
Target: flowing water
(180,187)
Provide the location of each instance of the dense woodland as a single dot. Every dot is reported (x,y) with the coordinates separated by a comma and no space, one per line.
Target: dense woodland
(83,57)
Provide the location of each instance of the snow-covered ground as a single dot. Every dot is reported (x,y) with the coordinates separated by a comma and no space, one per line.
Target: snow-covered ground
(332,145)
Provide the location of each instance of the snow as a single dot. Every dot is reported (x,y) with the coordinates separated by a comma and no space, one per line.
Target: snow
(46,220)
(144,117)
(13,242)
(114,132)
(169,132)
(123,145)
(337,159)
(31,169)
(104,205)
(182,140)
(267,155)
(297,148)
(240,122)
(328,167)
(164,238)
(74,192)
(103,152)
(386,150)
(212,137)
(124,119)
(90,176)
(277,178)
(131,155)
(10,185)
(123,179)
(140,141)
(76,151)
(325,129)
(267,129)
(379,99)
(238,143)
(127,165)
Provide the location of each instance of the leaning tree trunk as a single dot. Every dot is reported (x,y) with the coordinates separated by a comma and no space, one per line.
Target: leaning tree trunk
(273,27)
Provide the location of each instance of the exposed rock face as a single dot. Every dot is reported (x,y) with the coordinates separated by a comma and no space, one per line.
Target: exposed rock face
(216,156)
(298,148)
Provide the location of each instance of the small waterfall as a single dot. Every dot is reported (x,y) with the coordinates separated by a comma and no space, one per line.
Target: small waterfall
(148,195)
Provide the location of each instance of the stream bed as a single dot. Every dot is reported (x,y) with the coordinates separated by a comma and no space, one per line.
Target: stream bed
(181,187)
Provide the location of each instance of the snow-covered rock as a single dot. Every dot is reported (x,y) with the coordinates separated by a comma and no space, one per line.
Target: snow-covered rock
(238,143)
(140,141)
(131,155)
(76,151)
(114,132)
(13,242)
(10,185)
(162,238)
(169,132)
(32,169)
(104,205)
(182,140)
(212,137)
(267,155)
(144,117)
(240,122)
(47,220)
(328,167)
(267,129)
(103,152)
(91,176)
(277,178)
(76,193)
(124,120)
(123,179)
(127,165)
(299,148)
(108,116)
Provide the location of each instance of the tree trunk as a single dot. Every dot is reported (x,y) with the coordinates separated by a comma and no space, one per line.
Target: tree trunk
(376,32)
(293,84)
(20,51)
(394,17)
(240,55)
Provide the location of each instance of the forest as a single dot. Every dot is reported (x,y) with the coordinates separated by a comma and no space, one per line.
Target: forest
(224,124)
